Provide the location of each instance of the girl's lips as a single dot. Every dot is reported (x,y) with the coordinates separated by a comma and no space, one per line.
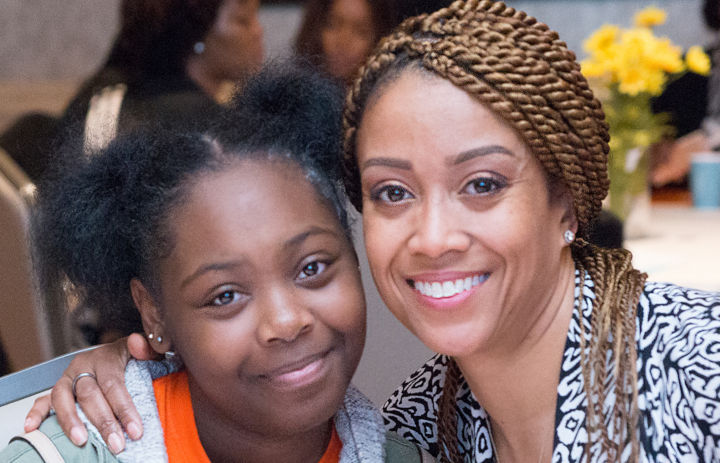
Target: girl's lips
(299,373)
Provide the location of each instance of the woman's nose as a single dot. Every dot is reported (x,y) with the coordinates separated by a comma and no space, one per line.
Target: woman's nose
(438,229)
(283,318)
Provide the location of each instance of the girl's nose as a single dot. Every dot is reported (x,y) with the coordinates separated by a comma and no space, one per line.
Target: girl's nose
(283,318)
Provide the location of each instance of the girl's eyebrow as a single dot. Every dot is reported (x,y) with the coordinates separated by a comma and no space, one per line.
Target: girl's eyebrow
(301,237)
(215,266)
(293,242)
(476,152)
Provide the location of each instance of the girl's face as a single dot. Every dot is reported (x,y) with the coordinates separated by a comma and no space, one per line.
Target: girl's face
(261,297)
(347,37)
(463,238)
(233,46)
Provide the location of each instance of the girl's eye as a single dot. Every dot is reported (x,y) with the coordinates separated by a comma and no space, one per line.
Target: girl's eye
(312,269)
(391,194)
(483,186)
(225,298)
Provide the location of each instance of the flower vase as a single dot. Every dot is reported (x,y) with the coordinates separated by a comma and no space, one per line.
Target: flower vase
(629,196)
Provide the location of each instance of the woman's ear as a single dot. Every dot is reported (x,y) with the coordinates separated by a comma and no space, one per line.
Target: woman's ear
(151,315)
(564,200)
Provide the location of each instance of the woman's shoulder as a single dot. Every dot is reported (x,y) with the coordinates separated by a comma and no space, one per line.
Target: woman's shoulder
(427,381)
(667,307)
(411,410)
(679,371)
(672,318)
(21,450)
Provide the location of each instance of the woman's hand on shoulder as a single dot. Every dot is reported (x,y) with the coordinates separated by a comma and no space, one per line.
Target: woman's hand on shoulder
(103,398)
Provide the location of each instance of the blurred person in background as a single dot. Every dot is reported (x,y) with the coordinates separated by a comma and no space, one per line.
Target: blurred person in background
(172,58)
(169,63)
(337,35)
(693,104)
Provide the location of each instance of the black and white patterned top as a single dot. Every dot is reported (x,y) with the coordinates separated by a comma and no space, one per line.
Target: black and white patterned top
(678,336)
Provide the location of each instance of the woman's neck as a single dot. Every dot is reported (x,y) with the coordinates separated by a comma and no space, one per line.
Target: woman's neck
(517,386)
(224,440)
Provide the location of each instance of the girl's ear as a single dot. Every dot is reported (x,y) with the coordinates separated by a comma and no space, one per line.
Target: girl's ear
(151,315)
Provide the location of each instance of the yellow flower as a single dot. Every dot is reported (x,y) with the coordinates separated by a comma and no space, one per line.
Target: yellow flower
(601,40)
(663,55)
(593,68)
(649,17)
(697,61)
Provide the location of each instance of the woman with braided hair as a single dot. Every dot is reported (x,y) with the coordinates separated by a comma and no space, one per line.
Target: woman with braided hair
(477,155)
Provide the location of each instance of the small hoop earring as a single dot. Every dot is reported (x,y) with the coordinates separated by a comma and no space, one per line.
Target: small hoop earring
(169,354)
(569,236)
(199,48)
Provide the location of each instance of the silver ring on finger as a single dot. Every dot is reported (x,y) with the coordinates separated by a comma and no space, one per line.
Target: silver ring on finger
(77,378)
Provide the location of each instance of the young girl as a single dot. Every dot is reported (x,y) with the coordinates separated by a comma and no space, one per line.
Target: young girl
(234,248)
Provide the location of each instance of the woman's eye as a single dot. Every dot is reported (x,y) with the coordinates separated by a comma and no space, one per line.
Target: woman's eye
(391,194)
(483,186)
(225,298)
(312,269)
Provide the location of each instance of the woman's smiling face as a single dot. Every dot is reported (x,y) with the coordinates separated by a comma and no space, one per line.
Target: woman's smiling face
(262,299)
(463,238)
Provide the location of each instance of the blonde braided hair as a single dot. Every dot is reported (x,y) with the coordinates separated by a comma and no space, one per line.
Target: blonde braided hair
(519,69)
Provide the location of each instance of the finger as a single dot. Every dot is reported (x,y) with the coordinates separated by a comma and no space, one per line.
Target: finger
(111,380)
(39,411)
(93,403)
(64,404)
(140,348)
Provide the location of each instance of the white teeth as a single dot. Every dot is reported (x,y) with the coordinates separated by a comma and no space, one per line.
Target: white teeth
(448,289)
(439,290)
(436,290)
(459,286)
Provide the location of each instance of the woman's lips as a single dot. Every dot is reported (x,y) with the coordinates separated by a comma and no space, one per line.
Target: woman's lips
(441,289)
(446,293)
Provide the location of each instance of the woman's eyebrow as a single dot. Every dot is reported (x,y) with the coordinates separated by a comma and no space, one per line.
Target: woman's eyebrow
(387,162)
(476,152)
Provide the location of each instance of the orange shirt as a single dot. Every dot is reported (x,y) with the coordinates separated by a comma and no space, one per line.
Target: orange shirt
(172,394)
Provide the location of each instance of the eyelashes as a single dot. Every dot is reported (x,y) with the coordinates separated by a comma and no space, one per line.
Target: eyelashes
(312,269)
(481,186)
(227,297)
(311,274)
(484,185)
(390,194)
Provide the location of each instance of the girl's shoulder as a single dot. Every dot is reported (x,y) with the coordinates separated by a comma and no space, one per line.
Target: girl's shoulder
(399,450)
(50,438)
